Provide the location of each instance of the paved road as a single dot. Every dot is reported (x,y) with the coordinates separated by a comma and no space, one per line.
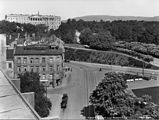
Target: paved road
(131,70)
(79,87)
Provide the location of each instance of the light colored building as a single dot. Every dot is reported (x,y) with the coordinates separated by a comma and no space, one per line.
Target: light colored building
(9,62)
(45,59)
(53,22)
(3,51)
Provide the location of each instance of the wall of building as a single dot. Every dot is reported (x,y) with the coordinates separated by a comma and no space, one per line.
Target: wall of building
(3,51)
(52,67)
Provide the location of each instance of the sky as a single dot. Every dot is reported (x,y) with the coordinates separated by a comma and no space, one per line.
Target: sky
(74,8)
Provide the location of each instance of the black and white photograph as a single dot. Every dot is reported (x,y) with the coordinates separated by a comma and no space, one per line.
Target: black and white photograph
(79,59)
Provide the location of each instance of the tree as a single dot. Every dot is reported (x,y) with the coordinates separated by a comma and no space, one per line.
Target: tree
(102,41)
(86,36)
(41,29)
(30,82)
(88,111)
(70,36)
(112,99)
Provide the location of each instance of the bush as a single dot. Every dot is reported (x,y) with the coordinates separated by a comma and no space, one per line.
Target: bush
(146,58)
(140,48)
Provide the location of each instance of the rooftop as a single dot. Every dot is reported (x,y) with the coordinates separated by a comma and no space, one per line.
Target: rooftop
(38,50)
(33,15)
(12,103)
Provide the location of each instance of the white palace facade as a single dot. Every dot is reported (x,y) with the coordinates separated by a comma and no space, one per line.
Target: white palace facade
(53,22)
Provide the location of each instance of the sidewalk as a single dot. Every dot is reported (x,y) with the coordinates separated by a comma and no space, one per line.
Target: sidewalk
(56,98)
(64,83)
(56,108)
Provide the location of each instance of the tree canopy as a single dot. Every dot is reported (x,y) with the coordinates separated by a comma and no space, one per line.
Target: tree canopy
(112,99)
(30,82)
(102,40)
(130,31)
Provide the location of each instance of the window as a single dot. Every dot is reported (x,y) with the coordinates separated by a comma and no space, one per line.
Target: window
(58,67)
(31,60)
(37,60)
(51,68)
(18,60)
(43,69)
(43,76)
(31,68)
(10,65)
(19,69)
(37,68)
(24,60)
(58,57)
(25,68)
(50,76)
(51,59)
(43,60)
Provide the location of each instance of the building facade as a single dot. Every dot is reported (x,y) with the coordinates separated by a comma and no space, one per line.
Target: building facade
(53,22)
(9,62)
(46,60)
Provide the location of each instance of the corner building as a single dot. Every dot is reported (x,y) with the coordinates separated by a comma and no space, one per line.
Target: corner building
(46,60)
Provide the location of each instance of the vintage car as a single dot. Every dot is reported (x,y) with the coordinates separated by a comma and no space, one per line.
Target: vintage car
(64,101)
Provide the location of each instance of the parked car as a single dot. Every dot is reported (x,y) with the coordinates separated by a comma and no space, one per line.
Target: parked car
(67,61)
(64,101)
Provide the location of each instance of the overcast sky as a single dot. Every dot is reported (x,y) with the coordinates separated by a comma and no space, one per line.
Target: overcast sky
(73,8)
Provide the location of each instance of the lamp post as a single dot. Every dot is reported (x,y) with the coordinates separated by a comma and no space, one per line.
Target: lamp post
(53,78)
(46,90)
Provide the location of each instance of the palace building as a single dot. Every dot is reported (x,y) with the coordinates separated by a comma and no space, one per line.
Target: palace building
(53,22)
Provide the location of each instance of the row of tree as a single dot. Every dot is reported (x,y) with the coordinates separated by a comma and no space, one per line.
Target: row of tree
(12,27)
(14,30)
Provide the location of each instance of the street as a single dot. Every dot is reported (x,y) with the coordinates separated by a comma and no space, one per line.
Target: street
(79,87)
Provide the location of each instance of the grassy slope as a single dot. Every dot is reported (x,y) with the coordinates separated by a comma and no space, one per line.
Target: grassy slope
(114,52)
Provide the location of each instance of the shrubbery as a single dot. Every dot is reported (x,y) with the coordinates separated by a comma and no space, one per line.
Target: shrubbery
(104,57)
(139,48)
(146,58)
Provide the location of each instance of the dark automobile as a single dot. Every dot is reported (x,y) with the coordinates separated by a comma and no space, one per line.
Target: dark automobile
(67,61)
(64,101)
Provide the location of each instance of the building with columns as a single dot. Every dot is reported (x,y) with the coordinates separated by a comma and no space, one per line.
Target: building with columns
(53,22)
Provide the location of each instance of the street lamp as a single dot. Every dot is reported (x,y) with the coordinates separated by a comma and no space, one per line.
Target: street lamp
(53,78)
(46,90)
